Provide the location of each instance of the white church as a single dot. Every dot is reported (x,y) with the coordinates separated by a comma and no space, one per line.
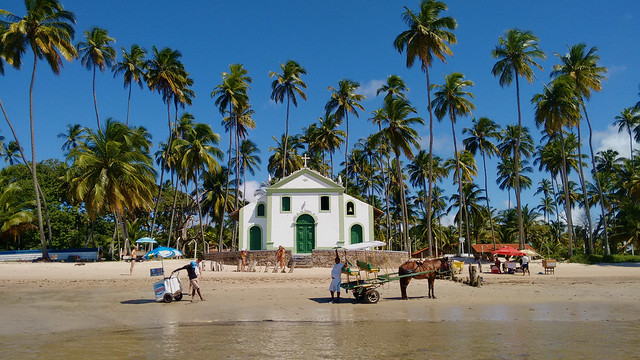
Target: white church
(302,212)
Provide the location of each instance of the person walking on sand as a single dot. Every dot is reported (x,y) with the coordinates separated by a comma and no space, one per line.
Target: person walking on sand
(133,258)
(193,277)
(336,275)
(280,255)
(243,258)
(525,265)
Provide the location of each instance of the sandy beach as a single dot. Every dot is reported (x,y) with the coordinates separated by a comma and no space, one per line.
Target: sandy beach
(52,299)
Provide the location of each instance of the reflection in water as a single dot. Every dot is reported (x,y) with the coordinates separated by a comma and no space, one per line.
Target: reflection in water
(354,340)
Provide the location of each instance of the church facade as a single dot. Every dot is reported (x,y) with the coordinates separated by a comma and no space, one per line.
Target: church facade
(302,212)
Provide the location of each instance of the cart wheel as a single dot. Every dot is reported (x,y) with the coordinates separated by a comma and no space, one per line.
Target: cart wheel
(358,294)
(167,297)
(178,297)
(372,297)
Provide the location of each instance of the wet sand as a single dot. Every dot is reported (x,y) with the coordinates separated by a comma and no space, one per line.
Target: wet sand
(97,302)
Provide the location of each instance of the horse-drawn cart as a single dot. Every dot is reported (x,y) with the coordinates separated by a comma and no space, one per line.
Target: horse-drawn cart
(365,289)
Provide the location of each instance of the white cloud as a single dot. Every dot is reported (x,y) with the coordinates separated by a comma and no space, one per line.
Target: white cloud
(369,88)
(611,139)
(448,219)
(252,186)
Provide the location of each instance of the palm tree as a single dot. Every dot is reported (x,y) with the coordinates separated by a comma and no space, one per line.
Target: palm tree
(452,98)
(199,153)
(628,120)
(428,35)
(167,76)
(249,161)
(294,161)
(328,136)
(10,152)
(133,67)
(214,201)
(114,171)
(74,134)
(401,136)
(582,69)
(288,84)
(555,108)
(394,87)
(484,129)
(231,94)
(48,30)
(343,101)
(96,52)
(516,53)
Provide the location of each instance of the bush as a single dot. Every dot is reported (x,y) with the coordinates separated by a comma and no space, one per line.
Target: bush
(598,259)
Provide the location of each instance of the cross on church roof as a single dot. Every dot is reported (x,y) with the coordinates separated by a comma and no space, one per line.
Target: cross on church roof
(305,158)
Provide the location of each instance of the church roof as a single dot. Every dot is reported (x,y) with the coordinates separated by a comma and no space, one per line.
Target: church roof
(307,179)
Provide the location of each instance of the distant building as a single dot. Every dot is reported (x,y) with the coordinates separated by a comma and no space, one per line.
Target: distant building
(302,212)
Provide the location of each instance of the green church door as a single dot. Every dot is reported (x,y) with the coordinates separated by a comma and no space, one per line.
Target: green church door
(305,234)
(356,234)
(255,238)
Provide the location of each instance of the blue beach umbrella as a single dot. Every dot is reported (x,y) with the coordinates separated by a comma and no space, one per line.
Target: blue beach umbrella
(163,252)
(146,240)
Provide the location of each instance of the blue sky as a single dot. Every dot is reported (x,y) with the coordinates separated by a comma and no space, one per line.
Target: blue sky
(333,40)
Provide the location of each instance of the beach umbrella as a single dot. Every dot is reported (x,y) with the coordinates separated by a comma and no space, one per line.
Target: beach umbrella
(508,251)
(162,252)
(365,245)
(146,240)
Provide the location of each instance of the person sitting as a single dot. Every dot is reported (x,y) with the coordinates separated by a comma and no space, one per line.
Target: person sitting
(497,264)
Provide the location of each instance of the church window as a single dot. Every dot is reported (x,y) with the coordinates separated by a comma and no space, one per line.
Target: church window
(351,208)
(324,203)
(286,204)
(260,210)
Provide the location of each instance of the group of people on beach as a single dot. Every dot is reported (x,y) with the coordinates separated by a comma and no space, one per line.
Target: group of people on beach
(524,265)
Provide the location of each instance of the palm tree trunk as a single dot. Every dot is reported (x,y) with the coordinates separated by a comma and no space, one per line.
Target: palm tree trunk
(554,185)
(155,207)
(128,104)
(199,215)
(517,168)
(286,139)
(607,249)
(486,191)
(26,163)
(589,242)
(403,204)
(458,177)
(567,202)
(226,188)
(630,143)
(34,177)
(346,155)
(430,193)
(173,209)
(95,100)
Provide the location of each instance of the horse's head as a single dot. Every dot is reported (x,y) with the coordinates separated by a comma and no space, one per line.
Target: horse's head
(445,264)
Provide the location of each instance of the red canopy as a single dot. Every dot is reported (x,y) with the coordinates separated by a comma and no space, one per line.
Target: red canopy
(507,250)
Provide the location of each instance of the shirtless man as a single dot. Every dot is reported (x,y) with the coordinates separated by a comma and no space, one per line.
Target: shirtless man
(280,255)
(133,258)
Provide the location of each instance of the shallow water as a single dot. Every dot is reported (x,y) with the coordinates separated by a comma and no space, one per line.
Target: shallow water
(330,340)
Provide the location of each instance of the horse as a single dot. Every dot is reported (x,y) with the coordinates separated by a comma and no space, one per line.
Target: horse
(414,266)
